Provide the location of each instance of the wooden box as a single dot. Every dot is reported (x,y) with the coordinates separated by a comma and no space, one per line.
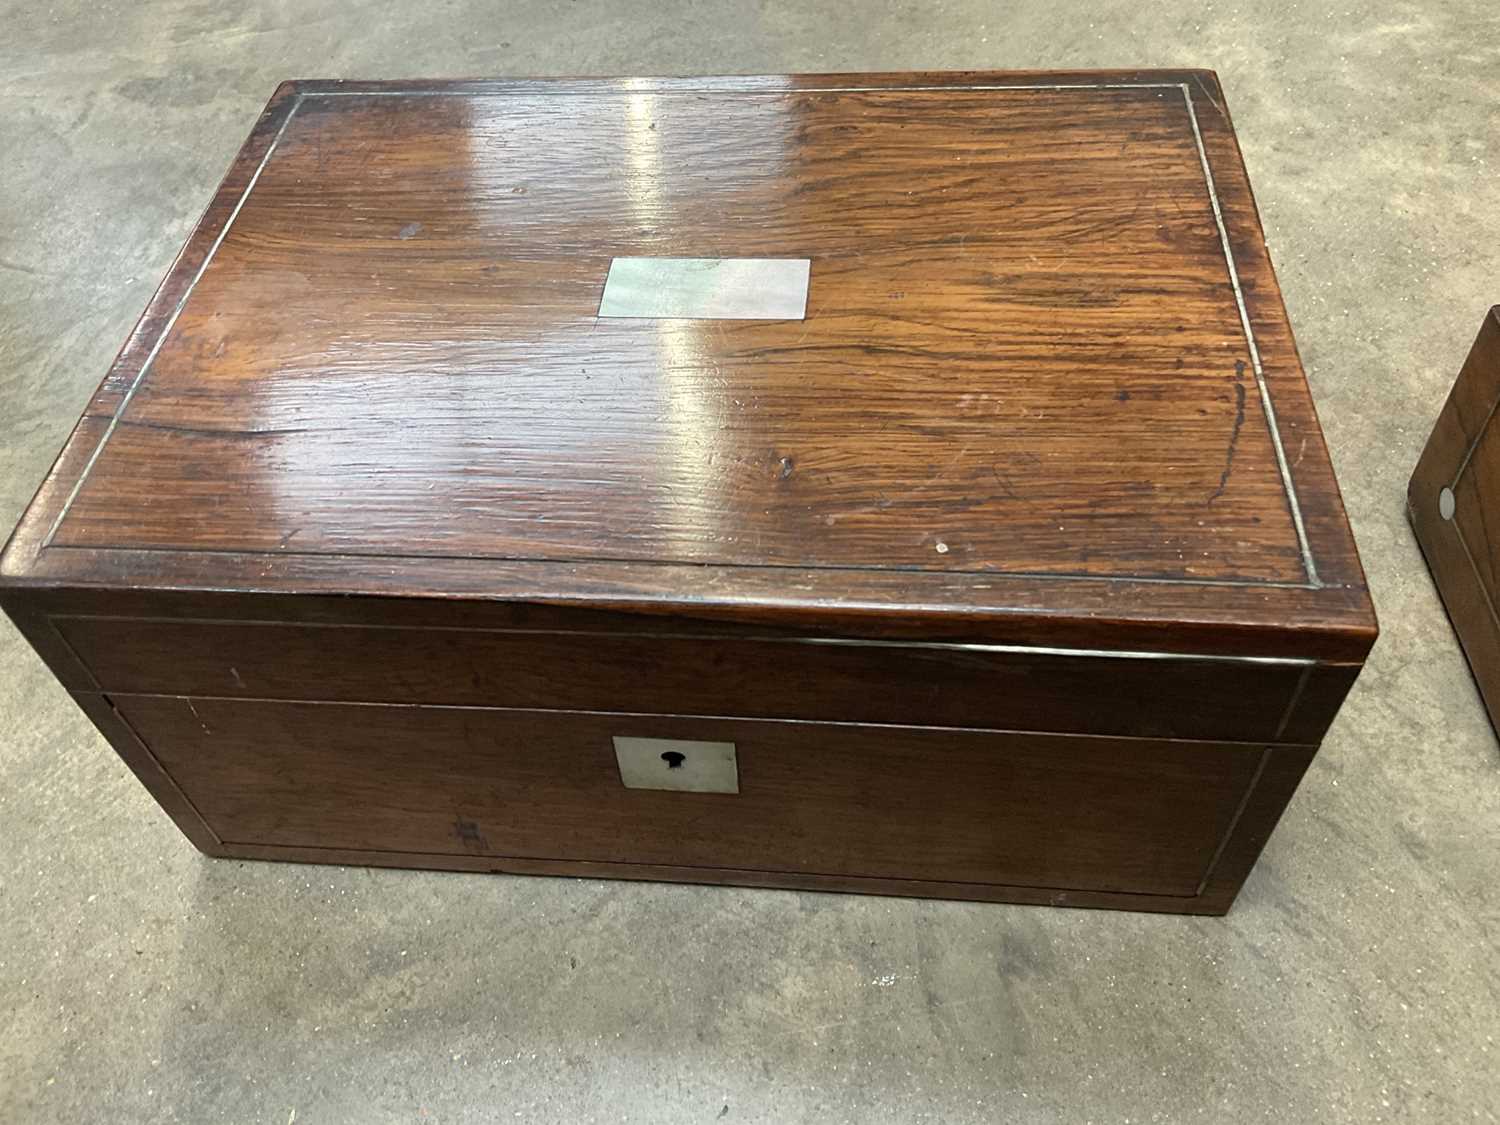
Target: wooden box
(1008,564)
(1454,504)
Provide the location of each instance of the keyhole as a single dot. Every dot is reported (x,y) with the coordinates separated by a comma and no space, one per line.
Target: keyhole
(673,759)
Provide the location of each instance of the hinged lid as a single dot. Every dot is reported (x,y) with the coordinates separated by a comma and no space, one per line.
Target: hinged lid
(1044,372)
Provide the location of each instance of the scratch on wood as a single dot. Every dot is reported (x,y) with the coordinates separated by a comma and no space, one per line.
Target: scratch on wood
(197,716)
(1234,433)
(1004,482)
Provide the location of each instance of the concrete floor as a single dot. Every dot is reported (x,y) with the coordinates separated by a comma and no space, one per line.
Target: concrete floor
(1358,977)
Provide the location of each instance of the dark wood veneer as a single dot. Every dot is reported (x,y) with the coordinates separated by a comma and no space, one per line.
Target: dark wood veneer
(795,678)
(1463,548)
(1040,465)
(828,799)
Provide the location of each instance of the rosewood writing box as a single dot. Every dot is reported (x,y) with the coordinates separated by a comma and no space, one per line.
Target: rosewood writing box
(892,483)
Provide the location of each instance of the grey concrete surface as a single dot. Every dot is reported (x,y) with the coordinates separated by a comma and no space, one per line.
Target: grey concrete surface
(1358,977)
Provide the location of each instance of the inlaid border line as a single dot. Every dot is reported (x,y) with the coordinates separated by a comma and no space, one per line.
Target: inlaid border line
(1479,432)
(1489,603)
(1267,408)
(1051,735)
(1234,821)
(1260,375)
(1303,662)
(166,330)
(1296,698)
(170,782)
(770,92)
(812,568)
(1458,531)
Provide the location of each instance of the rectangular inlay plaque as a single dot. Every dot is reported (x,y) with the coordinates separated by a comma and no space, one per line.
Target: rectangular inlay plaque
(707,288)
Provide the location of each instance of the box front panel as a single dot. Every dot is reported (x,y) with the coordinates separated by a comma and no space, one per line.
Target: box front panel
(995,686)
(974,807)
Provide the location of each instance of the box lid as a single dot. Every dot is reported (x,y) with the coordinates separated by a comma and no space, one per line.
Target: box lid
(1044,384)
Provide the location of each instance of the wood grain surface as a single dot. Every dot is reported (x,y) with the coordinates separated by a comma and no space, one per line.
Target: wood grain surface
(772,677)
(1016,570)
(814,798)
(1041,343)
(1463,552)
